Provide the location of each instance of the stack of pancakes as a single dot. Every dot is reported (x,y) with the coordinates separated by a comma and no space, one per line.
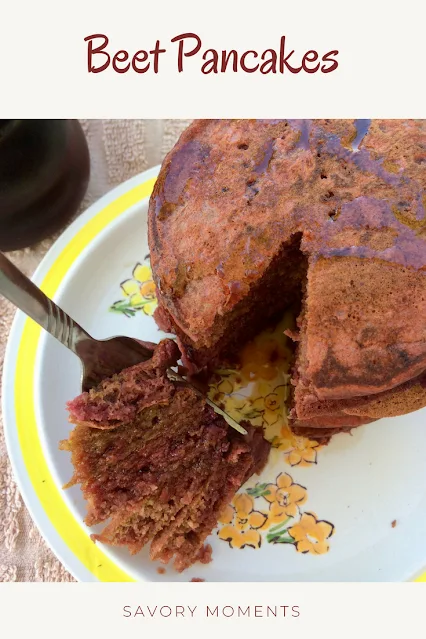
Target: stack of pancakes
(248,217)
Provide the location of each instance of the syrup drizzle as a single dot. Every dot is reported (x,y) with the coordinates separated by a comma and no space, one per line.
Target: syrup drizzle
(189,159)
(268,152)
(361,158)
(362,128)
(304,128)
(370,220)
(351,215)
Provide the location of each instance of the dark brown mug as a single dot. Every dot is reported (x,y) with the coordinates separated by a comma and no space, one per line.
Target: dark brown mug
(44,173)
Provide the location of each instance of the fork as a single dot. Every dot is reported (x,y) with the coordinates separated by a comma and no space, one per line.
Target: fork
(100,358)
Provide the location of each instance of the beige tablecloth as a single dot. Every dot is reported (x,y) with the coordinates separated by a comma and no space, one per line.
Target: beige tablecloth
(119,149)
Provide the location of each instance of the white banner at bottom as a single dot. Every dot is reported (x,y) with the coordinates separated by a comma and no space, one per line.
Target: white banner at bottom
(208,610)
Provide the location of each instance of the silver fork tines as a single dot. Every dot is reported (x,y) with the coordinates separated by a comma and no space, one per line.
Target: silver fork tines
(99,358)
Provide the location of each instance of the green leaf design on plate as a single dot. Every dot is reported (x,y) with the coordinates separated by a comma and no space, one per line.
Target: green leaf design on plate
(253,414)
(281,526)
(260,490)
(123,306)
(279,534)
(279,539)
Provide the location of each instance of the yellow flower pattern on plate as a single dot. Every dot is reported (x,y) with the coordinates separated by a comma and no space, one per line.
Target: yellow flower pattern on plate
(257,391)
(242,523)
(284,497)
(298,451)
(310,534)
(244,520)
(139,291)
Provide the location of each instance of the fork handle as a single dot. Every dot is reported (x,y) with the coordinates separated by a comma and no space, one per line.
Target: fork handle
(24,294)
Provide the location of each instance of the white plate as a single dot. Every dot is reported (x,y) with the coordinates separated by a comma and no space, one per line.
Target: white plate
(359,484)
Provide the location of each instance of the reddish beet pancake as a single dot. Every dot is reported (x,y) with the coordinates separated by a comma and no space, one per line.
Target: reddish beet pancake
(248,217)
(153,458)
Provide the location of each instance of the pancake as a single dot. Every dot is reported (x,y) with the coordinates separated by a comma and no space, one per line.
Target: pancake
(153,458)
(248,217)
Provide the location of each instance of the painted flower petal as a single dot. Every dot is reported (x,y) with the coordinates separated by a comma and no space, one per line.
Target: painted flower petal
(227,515)
(258,403)
(304,546)
(313,444)
(251,538)
(270,418)
(286,438)
(320,548)
(232,536)
(309,455)
(136,300)
(257,519)
(225,386)
(294,458)
(142,272)
(310,534)
(284,480)
(263,388)
(301,442)
(150,307)
(308,521)
(297,494)
(233,412)
(291,510)
(323,530)
(148,290)
(272,402)
(297,532)
(272,492)
(278,513)
(130,287)
(241,524)
(216,396)
(281,391)
(243,504)
(241,404)
(271,431)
